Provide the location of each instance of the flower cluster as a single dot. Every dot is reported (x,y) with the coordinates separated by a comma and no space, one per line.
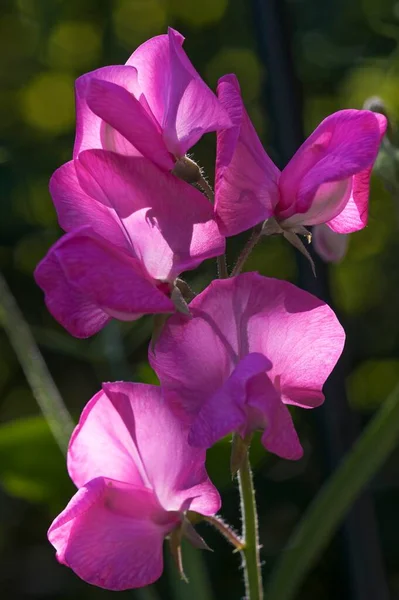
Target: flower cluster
(234,358)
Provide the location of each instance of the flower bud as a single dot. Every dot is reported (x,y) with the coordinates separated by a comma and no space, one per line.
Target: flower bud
(187,170)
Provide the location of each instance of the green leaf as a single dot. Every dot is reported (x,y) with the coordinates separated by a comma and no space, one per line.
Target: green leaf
(330,506)
(32,466)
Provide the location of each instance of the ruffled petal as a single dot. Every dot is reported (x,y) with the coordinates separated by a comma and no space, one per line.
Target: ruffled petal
(109,277)
(180,100)
(76,208)
(78,314)
(345,144)
(279,436)
(124,113)
(226,411)
(177,212)
(354,215)
(298,333)
(177,473)
(111,535)
(91,130)
(246,178)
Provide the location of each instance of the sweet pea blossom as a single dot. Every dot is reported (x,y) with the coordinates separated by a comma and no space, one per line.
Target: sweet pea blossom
(253,346)
(330,246)
(156,105)
(326,181)
(132,229)
(136,477)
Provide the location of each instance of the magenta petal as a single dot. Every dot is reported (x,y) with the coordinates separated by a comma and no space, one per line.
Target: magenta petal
(120,109)
(76,208)
(298,333)
(77,313)
(246,178)
(177,473)
(279,436)
(330,246)
(344,144)
(192,108)
(177,212)
(103,424)
(225,411)
(152,61)
(91,131)
(180,100)
(355,214)
(109,537)
(109,277)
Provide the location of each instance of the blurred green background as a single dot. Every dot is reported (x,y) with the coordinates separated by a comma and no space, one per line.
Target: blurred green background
(344,51)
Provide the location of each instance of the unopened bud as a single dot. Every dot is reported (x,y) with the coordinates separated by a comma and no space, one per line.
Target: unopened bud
(187,170)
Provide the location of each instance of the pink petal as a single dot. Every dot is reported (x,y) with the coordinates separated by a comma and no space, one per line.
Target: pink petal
(120,109)
(246,178)
(152,61)
(298,333)
(105,424)
(108,535)
(344,144)
(109,277)
(76,208)
(80,316)
(177,472)
(177,212)
(225,411)
(279,436)
(180,100)
(330,246)
(91,131)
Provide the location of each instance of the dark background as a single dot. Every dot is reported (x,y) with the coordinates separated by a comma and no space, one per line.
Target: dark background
(320,57)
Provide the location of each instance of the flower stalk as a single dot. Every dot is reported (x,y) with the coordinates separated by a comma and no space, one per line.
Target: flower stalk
(250,552)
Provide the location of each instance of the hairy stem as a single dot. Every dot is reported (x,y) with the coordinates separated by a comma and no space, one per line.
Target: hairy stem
(34,367)
(208,191)
(246,251)
(222,267)
(250,553)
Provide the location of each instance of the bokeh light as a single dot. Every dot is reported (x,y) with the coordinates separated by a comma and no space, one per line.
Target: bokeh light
(197,13)
(47,103)
(74,45)
(136,20)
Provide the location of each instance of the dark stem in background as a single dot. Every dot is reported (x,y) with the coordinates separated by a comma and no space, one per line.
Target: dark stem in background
(364,562)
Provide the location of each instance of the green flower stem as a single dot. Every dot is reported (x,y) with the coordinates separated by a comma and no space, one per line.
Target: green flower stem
(330,506)
(250,553)
(34,367)
(222,267)
(246,251)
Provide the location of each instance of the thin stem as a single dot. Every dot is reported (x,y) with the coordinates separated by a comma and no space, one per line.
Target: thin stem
(34,367)
(208,191)
(226,531)
(222,267)
(246,251)
(250,553)
(221,260)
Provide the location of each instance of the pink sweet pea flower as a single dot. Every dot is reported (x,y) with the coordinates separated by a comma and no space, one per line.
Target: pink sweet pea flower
(132,229)
(330,246)
(136,477)
(326,181)
(156,105)
(254,345)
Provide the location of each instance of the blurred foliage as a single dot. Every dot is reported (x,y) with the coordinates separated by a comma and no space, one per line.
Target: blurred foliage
(31,464)
(344,52)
